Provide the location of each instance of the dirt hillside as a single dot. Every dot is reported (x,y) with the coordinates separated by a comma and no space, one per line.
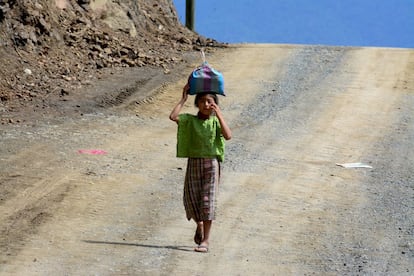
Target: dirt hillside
(54,48)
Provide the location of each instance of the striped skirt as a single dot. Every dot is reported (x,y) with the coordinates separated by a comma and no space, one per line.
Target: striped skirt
(201,188)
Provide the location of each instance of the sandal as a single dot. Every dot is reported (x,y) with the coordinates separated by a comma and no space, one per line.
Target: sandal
(201,249)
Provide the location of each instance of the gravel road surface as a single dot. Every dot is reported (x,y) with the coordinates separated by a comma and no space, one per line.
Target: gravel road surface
(285,205)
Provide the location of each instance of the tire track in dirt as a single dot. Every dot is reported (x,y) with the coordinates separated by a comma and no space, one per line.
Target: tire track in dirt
(21,215)
(31,187)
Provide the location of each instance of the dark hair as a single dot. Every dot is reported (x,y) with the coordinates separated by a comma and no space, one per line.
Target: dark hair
(199,95)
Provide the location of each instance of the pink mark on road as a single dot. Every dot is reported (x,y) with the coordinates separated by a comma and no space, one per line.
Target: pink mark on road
(92,151)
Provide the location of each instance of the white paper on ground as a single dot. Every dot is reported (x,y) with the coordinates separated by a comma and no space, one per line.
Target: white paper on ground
(354,165)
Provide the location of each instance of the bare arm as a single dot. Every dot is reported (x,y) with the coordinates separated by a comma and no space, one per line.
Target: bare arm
(176,111)
(225,130)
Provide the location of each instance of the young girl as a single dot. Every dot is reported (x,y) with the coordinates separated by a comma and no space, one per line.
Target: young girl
(201,138)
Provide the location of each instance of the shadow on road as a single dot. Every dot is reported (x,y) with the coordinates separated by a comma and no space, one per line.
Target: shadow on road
(173,247)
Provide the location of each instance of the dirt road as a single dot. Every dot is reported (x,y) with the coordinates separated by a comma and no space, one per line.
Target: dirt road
(285,207)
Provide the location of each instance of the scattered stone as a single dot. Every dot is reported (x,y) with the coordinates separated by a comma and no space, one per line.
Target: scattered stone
(67,43)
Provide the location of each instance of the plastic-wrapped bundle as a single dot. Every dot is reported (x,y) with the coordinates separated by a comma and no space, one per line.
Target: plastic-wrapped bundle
(206,79)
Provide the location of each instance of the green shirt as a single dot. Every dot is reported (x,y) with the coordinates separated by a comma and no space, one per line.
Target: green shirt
(199,138)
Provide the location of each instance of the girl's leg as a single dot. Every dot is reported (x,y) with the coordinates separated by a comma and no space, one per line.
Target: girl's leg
(203,247)
(198,236)
(206,228)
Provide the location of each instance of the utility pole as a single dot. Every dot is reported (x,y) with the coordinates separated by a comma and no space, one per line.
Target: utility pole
(189,14)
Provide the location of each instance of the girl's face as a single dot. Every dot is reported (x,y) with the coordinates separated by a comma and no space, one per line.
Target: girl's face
(204,104)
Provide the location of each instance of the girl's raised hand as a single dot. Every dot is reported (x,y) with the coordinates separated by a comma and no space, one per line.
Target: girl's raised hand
(176,111)
(216,108)
(225,130)
(186,89)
